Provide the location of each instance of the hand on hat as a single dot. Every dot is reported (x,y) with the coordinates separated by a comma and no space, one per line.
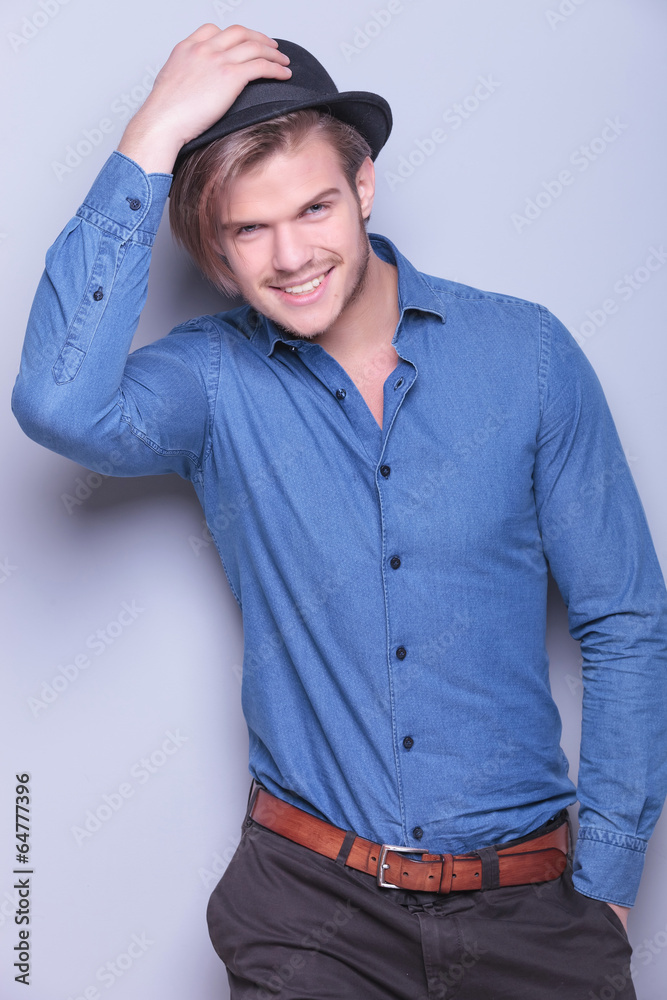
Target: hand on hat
(199,82)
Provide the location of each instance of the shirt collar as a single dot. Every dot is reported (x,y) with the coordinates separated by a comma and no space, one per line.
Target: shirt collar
(414,292)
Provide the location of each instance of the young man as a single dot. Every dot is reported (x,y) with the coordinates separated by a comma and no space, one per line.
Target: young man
(388,463)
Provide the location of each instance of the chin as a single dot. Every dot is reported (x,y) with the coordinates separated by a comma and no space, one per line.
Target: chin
(303,334)
(307,329)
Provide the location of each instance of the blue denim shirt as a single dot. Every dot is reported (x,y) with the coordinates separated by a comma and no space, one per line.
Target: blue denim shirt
(392,581)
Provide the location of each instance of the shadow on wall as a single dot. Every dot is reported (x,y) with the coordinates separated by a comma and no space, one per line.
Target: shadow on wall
(92,493)
(177,291)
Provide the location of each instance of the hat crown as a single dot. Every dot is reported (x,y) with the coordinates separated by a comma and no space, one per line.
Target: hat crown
(309,81)
(309,86)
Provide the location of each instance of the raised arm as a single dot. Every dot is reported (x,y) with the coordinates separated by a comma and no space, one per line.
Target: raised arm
(77,391)
(200,81)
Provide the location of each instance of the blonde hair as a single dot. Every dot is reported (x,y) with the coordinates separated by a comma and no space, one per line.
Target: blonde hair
(195,196)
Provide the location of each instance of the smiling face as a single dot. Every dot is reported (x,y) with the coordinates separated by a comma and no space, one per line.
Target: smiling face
(294,236)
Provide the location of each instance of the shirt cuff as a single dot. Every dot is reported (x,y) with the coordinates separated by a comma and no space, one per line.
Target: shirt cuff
(126,201)
(608,866)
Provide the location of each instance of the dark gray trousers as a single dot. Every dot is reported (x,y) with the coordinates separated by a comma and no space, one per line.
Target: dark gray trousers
(290,924)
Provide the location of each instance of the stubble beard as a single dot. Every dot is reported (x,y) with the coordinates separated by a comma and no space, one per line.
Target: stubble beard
(358,287)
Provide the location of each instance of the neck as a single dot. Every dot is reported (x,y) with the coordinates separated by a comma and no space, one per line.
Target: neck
(370,321)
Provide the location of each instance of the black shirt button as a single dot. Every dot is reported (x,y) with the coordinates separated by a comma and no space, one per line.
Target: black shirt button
(418,833)
(408,742)
(98,294)
(385,470)
(394,562)
(134,203)
(401,652)
(340,394)
(292,347)
(399,384)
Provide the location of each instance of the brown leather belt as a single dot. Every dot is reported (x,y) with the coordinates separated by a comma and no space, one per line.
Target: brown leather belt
(536,860)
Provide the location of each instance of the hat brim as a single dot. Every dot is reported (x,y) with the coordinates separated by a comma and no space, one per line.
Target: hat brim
(369,113)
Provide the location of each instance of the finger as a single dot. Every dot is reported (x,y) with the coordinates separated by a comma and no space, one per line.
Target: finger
(263,69)
(236,34)
(225,38)
(251,50)
(204,32)
(239,29)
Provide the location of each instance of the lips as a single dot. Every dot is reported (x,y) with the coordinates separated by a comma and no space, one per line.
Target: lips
(307,287)
(305,293)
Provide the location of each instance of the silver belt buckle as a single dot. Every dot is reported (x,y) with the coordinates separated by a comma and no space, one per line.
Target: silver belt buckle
(382,866)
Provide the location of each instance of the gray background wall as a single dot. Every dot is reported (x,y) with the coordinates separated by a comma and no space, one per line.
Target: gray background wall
(555,71)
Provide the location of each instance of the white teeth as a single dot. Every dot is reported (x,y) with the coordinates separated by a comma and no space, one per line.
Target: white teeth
(308,287)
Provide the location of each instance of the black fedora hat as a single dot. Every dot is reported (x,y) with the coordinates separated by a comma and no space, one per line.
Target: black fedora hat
(309,86)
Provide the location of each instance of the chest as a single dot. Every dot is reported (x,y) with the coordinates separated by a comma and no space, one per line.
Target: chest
(293,475)
(369,375)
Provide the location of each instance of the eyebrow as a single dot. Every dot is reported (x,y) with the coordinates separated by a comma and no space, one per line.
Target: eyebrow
(311,201)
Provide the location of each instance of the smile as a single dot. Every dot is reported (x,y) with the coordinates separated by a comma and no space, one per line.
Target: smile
(308,287)
(307,292)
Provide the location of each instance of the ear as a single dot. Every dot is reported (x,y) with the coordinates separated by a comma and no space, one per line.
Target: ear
(365,183)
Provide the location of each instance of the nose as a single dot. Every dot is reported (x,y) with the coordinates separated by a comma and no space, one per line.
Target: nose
(291,251)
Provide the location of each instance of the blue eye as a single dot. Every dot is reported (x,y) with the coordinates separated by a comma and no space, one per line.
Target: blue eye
(252,227)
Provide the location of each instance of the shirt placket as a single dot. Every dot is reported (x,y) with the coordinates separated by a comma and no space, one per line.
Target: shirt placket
(389,483)
(384,449)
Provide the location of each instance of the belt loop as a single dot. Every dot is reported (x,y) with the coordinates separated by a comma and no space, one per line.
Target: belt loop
(570,838)
(346,847)
(490,867)
(252,795)
(446,882)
